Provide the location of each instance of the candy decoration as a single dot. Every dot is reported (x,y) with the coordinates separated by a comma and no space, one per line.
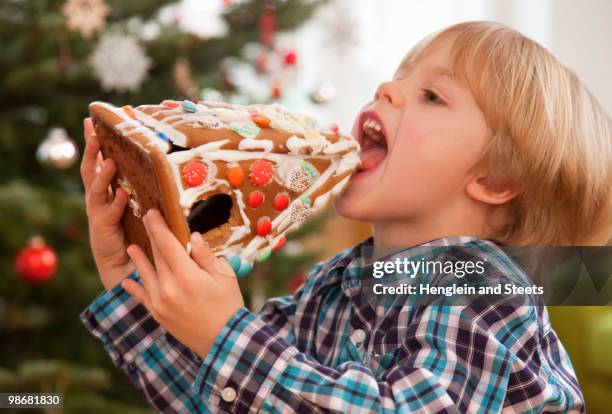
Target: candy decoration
(170,104)
(261,172)
(129,111)
(280,243)
(235,176)
(37,262)
(281,201)
(300,210)
(334,128)
(256,198)
(299,180)
(208,123)
(264,226)
(234,262)
(264,256)
(261,120)
(277,91)
(290,58)
(194,173)
(244,270)
(189,106)
(163,136)
(245,130)
(309,168)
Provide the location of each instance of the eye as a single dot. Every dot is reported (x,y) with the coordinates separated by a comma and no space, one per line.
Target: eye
(431,97)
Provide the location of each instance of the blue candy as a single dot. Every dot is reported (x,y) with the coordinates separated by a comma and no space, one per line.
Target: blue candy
(163,136)
(189,106)
(244,270)
(234,262)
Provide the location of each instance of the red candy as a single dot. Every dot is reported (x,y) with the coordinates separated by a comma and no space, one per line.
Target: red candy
(290,58)
(170,104)
(261,172)
(334,128)
(264,226)
(194,173)
(281,201)
(256,198)
(260,120)
(280,243)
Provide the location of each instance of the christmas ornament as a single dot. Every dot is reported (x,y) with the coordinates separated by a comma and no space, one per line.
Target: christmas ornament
(85,16)
(57,149)
(277,91)
(323,93)
(37,262)
(267,28)
(119,62)
(290,58)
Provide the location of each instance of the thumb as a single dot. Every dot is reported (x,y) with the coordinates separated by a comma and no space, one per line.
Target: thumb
(203,255)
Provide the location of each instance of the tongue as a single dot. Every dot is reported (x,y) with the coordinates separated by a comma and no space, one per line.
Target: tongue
(372,157)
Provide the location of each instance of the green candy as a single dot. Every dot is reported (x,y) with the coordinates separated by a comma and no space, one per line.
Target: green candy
(264,256)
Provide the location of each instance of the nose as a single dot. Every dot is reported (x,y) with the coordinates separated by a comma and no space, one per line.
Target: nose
(389,92)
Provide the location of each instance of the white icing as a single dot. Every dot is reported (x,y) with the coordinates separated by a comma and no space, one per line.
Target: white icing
(254,144)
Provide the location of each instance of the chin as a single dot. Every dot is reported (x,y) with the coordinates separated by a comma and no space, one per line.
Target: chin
(351,209)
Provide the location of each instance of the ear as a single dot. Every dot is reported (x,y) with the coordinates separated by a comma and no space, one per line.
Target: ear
(478,189)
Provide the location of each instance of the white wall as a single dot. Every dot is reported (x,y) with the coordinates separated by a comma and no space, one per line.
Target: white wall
(578,33)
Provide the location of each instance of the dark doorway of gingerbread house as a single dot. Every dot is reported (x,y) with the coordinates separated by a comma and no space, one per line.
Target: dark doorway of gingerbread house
(210,213)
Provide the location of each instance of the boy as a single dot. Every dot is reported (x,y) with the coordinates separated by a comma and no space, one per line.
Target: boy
(486,140)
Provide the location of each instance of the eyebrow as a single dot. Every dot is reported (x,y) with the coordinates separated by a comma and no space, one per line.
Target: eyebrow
(439,71)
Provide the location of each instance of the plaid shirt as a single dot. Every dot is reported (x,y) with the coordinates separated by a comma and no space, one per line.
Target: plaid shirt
(325,349)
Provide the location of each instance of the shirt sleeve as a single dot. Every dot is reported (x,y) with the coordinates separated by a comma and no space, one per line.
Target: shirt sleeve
(459,359)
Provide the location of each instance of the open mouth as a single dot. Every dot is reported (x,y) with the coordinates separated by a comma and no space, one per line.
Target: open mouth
(373,142)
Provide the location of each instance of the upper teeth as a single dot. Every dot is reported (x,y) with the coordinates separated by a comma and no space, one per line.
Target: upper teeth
(373,129)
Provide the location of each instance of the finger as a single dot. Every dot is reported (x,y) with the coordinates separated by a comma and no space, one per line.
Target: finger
(118,204)
(173,253)
(203,255)
(88,129)
(99,187)
(89,161)
(160,263)
(146,270)
(138,292)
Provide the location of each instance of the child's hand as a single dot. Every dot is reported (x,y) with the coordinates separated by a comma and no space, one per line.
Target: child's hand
(104,212)
(191,297)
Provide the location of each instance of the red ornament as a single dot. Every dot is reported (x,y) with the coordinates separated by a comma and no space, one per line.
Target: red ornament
(37,262)
(280,243)
(170,104)
(281,201)
(256,198)
(227,3)
(261,172)
(267,28)
(194,173)
(264,226)
(260,120)
(290,58)
(277,91)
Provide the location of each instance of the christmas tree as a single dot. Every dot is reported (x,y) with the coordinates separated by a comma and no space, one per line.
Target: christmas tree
(59,55)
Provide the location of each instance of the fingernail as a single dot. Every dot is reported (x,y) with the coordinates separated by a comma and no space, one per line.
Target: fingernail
(196,238)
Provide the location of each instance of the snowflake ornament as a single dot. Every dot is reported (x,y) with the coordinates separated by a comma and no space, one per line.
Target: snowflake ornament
(119,62)
(86,16)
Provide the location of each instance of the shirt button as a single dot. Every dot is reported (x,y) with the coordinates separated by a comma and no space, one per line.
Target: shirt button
(358,336)
(228,394)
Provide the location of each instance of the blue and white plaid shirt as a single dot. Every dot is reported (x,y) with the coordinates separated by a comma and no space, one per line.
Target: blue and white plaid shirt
(325,349)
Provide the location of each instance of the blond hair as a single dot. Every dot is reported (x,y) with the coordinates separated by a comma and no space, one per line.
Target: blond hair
(552,139)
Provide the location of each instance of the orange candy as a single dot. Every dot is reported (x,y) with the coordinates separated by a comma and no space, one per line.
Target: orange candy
(129,111)
(235,176)
(260,120)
